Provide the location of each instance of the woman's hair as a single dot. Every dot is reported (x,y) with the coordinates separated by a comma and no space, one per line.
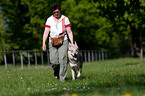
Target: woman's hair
(55,6)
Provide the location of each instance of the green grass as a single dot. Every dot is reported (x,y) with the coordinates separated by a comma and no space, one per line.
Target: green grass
(117,77)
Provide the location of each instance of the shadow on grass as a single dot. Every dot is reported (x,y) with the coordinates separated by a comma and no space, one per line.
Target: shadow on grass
(69,78)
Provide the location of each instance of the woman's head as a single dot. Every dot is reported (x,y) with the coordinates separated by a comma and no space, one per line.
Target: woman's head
(55,9)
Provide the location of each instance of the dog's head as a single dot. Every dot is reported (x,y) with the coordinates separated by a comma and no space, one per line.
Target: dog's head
(73,51)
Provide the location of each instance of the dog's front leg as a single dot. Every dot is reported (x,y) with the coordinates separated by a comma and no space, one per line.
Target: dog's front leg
(73,74)
(79,73)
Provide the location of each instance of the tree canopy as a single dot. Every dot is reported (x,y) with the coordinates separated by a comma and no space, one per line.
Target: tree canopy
(96,24)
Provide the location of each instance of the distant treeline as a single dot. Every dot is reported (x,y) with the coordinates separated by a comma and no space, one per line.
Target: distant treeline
(96,24)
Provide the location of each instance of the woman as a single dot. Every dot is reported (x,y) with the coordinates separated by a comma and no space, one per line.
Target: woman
(57,24)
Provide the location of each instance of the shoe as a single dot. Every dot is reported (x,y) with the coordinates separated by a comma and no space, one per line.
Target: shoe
(57,77)
(56,71)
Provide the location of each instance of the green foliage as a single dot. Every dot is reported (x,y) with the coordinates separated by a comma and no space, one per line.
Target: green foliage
(3,38)
(89,28)
(26,20)
(101,24)
(127,17)
(106,78)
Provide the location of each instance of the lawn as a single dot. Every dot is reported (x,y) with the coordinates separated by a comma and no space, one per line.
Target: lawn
(118,77)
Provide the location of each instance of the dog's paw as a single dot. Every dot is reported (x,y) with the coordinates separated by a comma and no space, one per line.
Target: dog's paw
(78,76)
(73,79)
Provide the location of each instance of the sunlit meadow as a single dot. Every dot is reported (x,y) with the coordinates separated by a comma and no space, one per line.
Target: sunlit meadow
(119,77)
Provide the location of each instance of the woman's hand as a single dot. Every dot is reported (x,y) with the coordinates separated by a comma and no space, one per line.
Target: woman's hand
(44,47)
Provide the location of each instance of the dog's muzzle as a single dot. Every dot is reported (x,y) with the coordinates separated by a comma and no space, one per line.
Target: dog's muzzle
(74,56)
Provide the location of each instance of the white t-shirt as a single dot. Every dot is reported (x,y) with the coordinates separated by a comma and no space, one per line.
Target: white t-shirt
(56,29)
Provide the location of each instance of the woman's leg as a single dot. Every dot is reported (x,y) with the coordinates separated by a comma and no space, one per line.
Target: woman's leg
(63,51)
(54,60)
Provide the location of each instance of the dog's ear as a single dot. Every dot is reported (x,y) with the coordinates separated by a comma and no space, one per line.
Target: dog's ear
(76,44)
(69,45)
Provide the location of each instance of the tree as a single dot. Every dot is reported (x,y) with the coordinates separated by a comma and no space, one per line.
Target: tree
(90,29)
(3,38)
(131,14)
(101,24)
(26,20)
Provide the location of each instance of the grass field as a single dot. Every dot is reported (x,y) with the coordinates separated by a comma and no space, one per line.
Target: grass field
(119,77)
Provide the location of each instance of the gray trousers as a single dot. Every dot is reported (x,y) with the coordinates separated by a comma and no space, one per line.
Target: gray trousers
(58,55)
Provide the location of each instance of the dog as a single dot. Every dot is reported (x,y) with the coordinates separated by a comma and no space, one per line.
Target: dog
(75,60)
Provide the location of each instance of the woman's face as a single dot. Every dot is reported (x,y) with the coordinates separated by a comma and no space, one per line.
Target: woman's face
(56,13)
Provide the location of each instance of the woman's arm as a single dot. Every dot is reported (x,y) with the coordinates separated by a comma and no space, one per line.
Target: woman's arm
(70,34)
(45,35)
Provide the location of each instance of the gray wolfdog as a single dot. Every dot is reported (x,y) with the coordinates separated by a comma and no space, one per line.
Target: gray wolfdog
(75,61)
